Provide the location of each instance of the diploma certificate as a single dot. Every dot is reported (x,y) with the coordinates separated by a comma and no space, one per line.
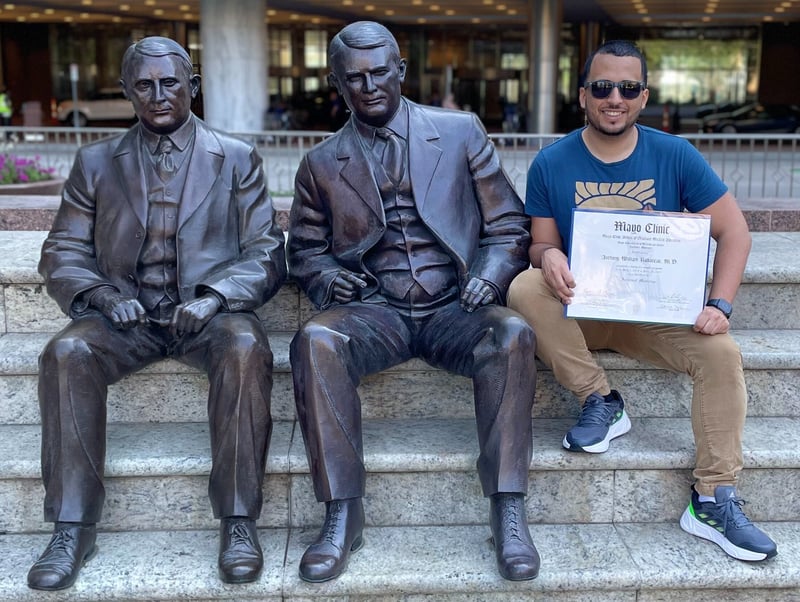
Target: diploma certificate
(639,266)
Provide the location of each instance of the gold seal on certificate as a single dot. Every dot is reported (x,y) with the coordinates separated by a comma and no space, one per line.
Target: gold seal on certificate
(639,266)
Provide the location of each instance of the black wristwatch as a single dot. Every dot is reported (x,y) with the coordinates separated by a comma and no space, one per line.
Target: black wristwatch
(722,305)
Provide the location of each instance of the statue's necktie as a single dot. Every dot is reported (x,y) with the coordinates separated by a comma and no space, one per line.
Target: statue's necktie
(166,162)
(393,160)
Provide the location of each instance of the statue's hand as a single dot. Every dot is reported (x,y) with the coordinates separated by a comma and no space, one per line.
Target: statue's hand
(192,316)
(346,286)
(477,292)
(123,312)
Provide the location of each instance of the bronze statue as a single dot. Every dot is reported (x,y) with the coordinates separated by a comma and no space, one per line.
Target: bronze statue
(406,231)
(164,245)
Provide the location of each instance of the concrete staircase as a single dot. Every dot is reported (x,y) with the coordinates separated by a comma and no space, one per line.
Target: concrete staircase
(605,525)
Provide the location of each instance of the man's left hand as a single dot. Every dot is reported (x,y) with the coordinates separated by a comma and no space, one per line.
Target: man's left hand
(192,316)
(711,321)
(477,292)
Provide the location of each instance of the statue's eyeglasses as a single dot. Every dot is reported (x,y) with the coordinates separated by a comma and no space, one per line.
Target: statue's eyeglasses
(602,88)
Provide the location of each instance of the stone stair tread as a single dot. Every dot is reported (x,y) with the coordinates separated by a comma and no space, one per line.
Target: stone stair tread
(408,445)
(450,563)
(772,258)
(761,350)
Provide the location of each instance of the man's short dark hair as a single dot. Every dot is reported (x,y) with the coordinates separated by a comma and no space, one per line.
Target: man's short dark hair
(617,48)
(155,46)
(362,35)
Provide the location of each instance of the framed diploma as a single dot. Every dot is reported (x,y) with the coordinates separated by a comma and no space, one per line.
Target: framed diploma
(639,266)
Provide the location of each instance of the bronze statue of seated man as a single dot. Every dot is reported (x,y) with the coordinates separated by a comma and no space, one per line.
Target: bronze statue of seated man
(406,231)
(164,246)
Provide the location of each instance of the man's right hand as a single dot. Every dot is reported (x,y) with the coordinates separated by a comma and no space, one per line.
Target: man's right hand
(346,286)
(123,312)
(557,274)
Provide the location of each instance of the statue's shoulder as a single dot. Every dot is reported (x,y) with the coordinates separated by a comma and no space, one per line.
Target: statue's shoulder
(330,145)
(448,121)
(104,144)
(230,141)
(99,152)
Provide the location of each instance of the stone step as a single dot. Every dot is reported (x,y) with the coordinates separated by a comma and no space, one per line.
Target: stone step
(36,212)
(768,297)
(171,391)
(421,473)
(620,562)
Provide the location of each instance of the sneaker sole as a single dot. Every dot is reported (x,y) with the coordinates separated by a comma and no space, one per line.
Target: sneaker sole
(619,428)
(691,525)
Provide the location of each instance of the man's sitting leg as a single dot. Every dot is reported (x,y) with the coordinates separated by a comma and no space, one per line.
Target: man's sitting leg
(329,355)
(233,349)
(564,346)
(75,368)
(496,348)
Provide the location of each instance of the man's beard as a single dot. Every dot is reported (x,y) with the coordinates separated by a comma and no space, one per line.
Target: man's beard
(606,132)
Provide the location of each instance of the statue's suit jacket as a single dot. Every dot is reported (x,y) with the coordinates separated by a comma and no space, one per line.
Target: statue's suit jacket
(227,238)
(460,189)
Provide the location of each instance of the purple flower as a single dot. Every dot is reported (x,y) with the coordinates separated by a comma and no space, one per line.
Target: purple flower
(15,170)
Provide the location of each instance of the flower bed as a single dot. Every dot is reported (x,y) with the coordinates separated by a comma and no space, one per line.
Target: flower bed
(19,175)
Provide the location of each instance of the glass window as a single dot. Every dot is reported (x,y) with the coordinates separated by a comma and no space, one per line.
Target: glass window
(280,48)
(700,71)
(316,49)
(513,61)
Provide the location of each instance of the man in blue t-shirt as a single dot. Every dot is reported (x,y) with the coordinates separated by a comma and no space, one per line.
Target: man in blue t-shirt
(614,163)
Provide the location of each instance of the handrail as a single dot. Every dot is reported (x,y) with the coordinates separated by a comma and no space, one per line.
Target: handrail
(754,166)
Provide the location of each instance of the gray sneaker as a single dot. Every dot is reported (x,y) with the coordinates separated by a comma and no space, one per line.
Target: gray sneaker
(723,522)
(602,419)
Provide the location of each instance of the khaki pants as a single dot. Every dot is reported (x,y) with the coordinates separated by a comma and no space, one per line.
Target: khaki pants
(714,363)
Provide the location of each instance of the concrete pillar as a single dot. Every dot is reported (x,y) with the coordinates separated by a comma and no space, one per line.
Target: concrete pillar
(234,64)
(544,28)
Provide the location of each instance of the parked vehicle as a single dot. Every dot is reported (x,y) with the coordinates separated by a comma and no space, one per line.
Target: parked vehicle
(755,117)
(108,105)
(703,111)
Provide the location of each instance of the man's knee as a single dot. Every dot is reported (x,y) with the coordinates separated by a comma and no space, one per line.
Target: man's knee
(515,334)
(69,350)
(313,338)
(245,338)
(510,335)
(719,353)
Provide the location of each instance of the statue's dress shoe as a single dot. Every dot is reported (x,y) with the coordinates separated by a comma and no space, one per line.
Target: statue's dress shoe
(517,558)
(240,555)
(70,547)
(326,558)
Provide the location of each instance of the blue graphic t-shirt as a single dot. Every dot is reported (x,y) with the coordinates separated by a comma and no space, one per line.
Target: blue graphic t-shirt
(663,173)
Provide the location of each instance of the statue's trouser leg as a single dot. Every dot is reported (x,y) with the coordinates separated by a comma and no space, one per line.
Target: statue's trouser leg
(330,354)
(75,369)
(495,347)
(233,349)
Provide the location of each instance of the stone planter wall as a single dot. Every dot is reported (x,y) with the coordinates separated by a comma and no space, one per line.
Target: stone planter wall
(43,187)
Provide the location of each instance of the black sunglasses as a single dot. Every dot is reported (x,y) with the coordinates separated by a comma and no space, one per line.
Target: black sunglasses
(602,88)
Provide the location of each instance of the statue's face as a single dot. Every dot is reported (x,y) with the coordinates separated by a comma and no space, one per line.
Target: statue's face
(369,79)
(161,92)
